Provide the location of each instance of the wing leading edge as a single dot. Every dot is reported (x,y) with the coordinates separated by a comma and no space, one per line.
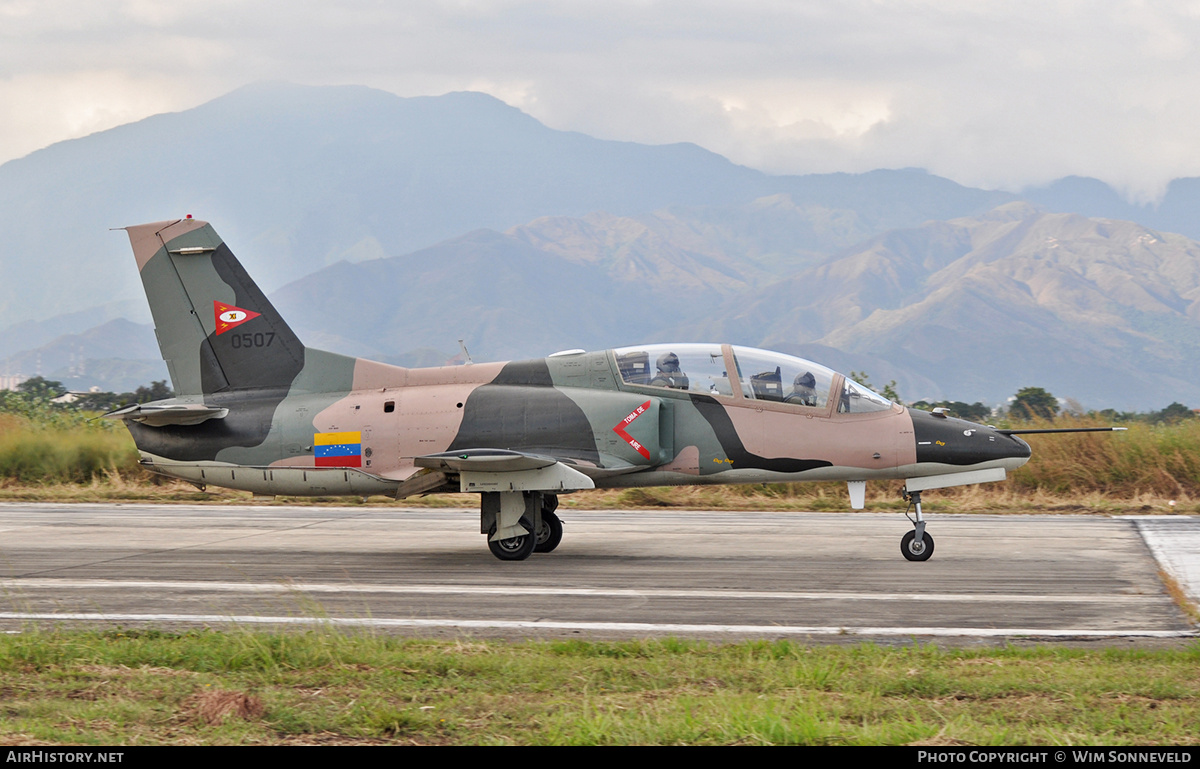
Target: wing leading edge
(503,470)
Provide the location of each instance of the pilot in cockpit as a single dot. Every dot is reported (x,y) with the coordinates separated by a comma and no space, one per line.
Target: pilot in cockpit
(669,374)
(804,390)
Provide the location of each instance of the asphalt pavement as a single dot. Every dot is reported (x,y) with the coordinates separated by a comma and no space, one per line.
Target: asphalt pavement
(826,577)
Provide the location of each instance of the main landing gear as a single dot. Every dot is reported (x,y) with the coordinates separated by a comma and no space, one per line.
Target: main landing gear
(516,548)
(520,523)
(549,534)
(916,545)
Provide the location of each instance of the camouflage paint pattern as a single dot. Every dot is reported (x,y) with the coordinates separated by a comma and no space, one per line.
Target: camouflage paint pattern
(226,347)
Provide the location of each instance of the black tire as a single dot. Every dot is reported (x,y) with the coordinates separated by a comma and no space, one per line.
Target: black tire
(513,548)
(550,533)
(911,552)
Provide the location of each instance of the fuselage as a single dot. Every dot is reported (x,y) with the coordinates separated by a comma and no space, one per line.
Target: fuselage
(607,414)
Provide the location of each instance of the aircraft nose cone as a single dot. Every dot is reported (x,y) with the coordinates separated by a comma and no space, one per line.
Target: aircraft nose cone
(950,441)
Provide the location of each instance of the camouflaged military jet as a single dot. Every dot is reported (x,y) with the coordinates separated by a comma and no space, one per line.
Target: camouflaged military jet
(257,410)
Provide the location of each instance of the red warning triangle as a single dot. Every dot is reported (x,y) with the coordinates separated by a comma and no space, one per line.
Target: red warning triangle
(229,316)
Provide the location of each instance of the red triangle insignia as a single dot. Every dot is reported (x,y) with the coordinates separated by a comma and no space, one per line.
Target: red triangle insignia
(229,316)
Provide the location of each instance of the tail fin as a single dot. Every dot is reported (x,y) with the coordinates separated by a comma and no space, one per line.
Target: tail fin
(215,327)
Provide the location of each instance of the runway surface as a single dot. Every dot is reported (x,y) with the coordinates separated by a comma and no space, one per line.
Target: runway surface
(992,579)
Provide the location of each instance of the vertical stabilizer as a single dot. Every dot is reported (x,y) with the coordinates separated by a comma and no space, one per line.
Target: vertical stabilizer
(215,327)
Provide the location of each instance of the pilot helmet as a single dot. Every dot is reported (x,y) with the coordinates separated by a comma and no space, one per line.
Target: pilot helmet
(668,363)
(805,379)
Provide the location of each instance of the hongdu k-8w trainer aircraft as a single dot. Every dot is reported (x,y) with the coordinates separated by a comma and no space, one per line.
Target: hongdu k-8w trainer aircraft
(257,410)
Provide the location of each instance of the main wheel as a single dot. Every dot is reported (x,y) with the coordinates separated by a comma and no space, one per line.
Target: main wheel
(513,548)
(914,552)
(549,534)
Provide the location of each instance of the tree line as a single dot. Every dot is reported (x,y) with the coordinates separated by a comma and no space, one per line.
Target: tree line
(39,390)
(1030,403)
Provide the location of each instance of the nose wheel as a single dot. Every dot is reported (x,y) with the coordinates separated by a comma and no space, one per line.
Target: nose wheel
(916,551)
(916,545)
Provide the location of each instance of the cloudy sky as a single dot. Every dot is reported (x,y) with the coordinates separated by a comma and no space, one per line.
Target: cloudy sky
(989,93)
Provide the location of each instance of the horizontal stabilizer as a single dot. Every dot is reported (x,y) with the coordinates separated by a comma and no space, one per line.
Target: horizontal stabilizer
(168,414)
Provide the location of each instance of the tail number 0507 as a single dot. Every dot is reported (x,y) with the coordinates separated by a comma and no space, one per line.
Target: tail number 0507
(261,339)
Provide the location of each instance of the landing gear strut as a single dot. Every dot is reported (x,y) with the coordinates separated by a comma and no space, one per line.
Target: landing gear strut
(916,545)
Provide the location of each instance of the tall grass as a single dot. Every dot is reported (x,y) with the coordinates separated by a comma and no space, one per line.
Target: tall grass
(1155,460)
(79,452)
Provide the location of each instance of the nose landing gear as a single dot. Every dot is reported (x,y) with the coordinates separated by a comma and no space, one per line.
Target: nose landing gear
(916,545)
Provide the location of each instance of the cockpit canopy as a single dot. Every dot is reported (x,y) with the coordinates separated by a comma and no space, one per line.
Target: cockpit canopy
(761,375)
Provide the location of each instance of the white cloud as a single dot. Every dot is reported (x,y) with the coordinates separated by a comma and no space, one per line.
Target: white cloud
(40,108)
(987,93)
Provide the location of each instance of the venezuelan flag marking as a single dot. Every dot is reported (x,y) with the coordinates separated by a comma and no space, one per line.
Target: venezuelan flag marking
(338,449)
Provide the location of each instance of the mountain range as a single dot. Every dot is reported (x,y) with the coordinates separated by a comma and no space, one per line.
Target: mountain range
(303,177)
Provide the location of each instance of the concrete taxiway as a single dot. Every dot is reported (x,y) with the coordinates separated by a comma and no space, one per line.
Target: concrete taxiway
(992,579)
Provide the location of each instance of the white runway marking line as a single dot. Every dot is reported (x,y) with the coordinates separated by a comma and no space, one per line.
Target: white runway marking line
(623,627)
(41,583)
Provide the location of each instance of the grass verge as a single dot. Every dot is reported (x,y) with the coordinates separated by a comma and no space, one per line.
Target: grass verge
(326,687)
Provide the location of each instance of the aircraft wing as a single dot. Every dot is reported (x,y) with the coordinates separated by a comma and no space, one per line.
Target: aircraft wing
(168,414)
(504,470)
(484,460)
